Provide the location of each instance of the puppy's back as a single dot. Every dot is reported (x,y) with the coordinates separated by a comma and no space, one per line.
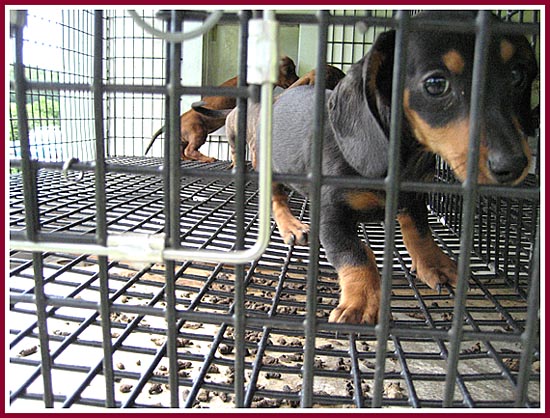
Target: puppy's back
(293,129)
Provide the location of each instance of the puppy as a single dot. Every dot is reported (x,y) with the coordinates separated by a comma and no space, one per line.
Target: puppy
(195,127)
(332,76)
(436,105)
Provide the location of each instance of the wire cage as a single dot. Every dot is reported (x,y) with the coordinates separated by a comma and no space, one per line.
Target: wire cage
(87,329)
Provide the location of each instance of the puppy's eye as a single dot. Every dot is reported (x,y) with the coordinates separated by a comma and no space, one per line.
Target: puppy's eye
(518,76)
(436,86)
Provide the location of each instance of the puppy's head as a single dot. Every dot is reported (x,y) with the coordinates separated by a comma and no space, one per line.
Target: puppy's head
(436,101)
(333,76)
(287,72)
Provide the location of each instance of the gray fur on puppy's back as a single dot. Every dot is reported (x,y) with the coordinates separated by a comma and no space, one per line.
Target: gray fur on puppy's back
(293,129)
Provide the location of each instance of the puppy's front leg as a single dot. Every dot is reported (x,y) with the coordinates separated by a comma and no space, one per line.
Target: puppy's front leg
(291,229)
(431,264)
(358,274)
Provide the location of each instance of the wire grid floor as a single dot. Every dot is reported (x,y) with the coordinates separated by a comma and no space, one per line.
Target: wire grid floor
(275,287)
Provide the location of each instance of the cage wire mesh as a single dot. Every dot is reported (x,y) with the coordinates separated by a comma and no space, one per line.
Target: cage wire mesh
(63,307)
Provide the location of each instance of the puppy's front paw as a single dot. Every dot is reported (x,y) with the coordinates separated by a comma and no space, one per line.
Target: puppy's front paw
(294,232)
(360,297)
(367,312)
(431,264)
(435,268)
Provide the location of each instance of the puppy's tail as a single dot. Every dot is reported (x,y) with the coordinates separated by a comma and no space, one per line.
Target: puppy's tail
(152,141)
(199,107)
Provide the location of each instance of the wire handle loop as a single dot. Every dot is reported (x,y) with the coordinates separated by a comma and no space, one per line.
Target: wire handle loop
(208,24)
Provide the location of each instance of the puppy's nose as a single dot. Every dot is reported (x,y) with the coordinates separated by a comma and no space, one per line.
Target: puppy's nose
(507,168)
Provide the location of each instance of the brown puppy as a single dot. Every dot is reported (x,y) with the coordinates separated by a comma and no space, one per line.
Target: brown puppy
(333,76)
(195,127)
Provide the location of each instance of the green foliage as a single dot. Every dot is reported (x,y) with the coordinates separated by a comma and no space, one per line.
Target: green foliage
(42,106)
(43,111)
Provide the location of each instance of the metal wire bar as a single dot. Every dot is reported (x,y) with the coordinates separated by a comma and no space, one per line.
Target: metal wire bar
(529,337)
(392,191)
(240,313)
(358,396)
(172,183)
(413,396)
(31,215)
(266,330)
(197,171)
(440,341)
(470,185)
(101,212)
(315,213)
(125,88)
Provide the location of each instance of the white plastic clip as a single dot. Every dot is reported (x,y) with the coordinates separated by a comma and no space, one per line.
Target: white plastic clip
(263,51)
(130,246)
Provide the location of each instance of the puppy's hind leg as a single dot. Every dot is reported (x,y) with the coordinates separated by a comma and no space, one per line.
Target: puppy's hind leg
(191,151)
(291,229)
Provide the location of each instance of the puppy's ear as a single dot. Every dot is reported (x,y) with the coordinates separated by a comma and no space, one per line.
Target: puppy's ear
(528,67)
(359,109)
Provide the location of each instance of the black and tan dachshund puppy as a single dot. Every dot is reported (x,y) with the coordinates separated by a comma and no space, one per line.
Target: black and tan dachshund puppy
(436,105)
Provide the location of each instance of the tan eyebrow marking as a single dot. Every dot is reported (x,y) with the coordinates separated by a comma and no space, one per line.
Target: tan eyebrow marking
(454,61)
(507,50)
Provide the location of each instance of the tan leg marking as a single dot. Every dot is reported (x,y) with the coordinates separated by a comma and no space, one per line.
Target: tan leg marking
(360,293)
(195,155)
(431,264)
(291,229)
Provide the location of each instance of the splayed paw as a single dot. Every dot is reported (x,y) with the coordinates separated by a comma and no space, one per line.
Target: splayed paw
(294,232)
(355,314)
(436,269)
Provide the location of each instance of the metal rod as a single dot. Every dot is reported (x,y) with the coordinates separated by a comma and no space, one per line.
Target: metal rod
(172,187)
(32,220)
(470,186)
(392,194)
(240,183)
(101,210)
(314,194)
(529,337)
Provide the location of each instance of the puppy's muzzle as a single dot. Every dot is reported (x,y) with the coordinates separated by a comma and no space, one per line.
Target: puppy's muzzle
(507,169)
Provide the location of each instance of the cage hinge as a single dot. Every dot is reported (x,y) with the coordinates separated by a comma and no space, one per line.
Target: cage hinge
(263,51)
(136,247)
